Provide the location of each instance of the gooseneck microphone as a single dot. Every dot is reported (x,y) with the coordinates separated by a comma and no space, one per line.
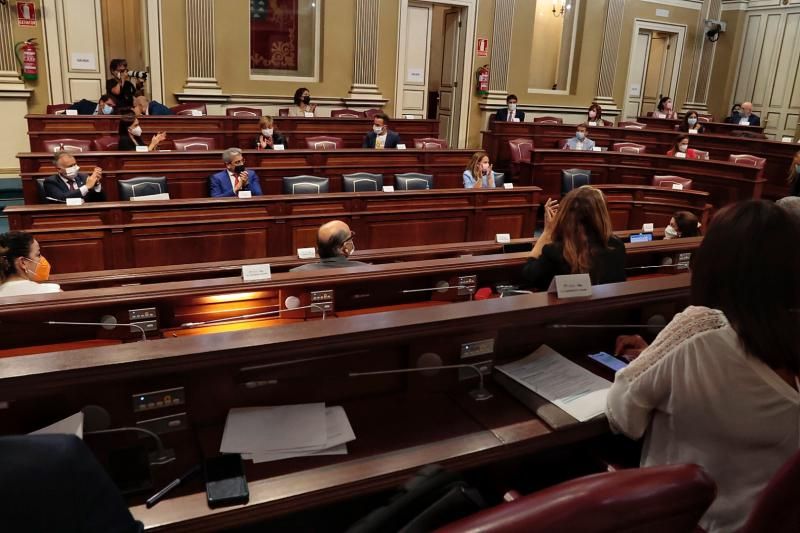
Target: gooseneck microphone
(96,421)
(292,303)
(442,287)
(106,322)
(657,322)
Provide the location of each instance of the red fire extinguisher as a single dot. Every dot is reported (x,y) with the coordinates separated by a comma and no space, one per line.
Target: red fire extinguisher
(482,86)
(26,57)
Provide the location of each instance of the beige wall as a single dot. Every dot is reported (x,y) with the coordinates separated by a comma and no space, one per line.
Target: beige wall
(726,59)
(41,95)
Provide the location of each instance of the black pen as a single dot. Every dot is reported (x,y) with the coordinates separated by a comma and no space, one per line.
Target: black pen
(155,498)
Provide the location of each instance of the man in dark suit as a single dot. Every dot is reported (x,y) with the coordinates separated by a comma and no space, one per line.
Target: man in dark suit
(381,136)
(746,117)
(335,245)
(68,183)
(235,178)
(510,113)
(104,106)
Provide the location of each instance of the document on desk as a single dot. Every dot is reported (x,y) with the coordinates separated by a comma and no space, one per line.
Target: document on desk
(575,390)
(282,427)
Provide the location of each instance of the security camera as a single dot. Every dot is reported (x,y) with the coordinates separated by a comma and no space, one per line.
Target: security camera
(713,29)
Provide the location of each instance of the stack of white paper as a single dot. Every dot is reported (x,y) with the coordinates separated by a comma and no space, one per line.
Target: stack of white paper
(72,425)
(271,433)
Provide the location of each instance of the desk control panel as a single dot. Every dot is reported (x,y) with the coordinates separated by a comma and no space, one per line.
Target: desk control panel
(161,399)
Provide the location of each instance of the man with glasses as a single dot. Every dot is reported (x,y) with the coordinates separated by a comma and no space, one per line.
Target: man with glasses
(235,178)
(335,246)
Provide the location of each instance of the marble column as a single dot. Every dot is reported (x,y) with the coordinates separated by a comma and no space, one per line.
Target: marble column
(365,70)
(697,98)
(200,47)
(501,50)
(609,54)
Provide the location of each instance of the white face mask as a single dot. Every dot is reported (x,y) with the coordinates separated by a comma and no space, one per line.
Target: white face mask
(670,233)
(377,129)
(137,131)
(512,107)
(580,135)
(683,147)
(267,132)
(691,121)
(72,171)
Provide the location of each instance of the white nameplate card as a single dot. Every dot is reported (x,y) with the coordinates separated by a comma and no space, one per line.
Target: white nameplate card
(744,122)
(308,114)
(74,201)
(71,112)
(592,123)
(785,139)
(278,147)
(677,186)
(142,149)
(256,272)
(401,146)
(508,185)
(503,238)
(571,286)
(245,194)
(693,132)
(648,228)
(596,149)
(515,119)
(196,113)
(306,253)
(388,188)
(680,155)
(148,197)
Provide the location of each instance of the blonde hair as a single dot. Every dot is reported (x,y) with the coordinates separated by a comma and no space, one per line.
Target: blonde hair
(582,223)
(266,120)
(475,168)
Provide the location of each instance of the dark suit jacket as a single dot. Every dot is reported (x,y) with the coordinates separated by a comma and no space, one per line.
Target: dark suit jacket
(84,107)
(502,115)
(54,187)
(608,265)
(392,140)
(220,184)
(752,119)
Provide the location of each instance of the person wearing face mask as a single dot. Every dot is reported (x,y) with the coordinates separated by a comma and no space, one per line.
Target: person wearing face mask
(124,90)
(479,175)
(664,109)
(130,135)
(580,141)
(682,224)
(105,106)
(745,116)
(268,135)
(335,246)
(302,104)
(794,176)
(691,123)
(235,178)
(510,113)
(70,183)
(736,110)
(594,116)
(144,106)
(23,268)
(680,148)
(381,136)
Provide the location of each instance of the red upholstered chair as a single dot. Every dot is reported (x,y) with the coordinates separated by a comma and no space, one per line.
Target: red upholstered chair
(106,143)
(195,144)
(186,109)
(747,160)
(68,145)
(370,113)
(323,142)
(430,143)
(520,151)
(243,112)
(631,125)
(57,109)
(705,118)
(607,123)
(283,112)
(662,499)
(701,154)
(776,510)
(548,120)
(628,148)
(669,182)
(347,113)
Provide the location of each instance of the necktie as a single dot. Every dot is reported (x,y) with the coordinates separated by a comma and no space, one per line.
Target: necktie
(72,186)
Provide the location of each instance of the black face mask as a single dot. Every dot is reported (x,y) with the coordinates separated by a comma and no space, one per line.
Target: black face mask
(306,100)
(238,169)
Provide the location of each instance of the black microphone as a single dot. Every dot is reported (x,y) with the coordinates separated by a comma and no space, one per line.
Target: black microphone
(106,322)
(96,421)
(292,303)
(442,286)
(655,322)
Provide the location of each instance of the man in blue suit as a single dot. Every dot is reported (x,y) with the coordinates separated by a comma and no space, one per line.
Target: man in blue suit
(510,114)
(381,136)
(69,183)
(235,178)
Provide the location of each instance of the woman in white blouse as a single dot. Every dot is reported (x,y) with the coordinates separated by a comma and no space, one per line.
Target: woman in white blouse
(23,268)
(719,385)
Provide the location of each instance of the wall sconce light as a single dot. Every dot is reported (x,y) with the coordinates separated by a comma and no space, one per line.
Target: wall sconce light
(560,7)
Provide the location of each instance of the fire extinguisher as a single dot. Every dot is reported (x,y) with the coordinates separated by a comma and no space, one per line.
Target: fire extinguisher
(26,57)
(482,86)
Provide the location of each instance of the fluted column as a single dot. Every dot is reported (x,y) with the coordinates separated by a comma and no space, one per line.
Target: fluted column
(697,99)
(501,49)
(8,65)
(365,69)
(200,46)
(609,54)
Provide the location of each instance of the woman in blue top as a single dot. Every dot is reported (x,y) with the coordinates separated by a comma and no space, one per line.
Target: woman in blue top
(479,166)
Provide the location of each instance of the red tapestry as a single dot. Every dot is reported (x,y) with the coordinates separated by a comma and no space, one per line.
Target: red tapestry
(273,34)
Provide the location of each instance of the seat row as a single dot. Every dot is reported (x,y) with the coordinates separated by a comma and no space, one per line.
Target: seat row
(195,109)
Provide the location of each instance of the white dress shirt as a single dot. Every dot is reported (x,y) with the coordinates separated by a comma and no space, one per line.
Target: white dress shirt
(83,188)
(698,397)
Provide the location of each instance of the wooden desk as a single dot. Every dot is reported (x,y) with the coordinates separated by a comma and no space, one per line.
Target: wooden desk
(187,172)
(720,128)
(723,182)
(114,235)
(226,131)
(401,421)
(551,136)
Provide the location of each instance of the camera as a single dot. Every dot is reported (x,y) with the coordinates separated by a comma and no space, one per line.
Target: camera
(138,74)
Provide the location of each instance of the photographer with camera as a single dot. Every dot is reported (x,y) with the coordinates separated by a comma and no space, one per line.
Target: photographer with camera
(122,85)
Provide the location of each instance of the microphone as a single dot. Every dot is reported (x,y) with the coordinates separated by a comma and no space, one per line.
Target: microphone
(54,199)
(428,364)
(106,322)
(442,286)
(292,303)
(657,322)
(96,421)
(683,265)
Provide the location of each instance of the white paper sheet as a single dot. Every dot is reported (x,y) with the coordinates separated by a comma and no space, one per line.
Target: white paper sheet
(285,427)
(72,425)
(577,391)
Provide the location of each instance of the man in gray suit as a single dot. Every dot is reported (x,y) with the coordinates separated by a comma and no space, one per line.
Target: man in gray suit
(580,141)
(335,246)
